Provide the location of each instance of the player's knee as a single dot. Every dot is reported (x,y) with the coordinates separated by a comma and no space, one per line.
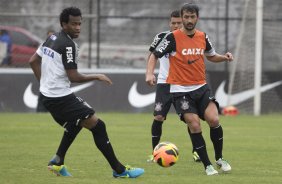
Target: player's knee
(213,121)
(90,122)
(195,127)
(99,128)
(159,118)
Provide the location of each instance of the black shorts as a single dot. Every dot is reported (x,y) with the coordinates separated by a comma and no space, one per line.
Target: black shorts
(163,100)
(67,109)
(194,102)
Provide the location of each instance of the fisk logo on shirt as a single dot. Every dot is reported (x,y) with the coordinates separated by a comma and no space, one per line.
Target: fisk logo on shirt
(155,42)
(193,51)
(69,54)
(164,45)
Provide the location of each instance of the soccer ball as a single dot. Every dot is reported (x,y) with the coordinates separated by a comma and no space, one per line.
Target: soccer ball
(165,154)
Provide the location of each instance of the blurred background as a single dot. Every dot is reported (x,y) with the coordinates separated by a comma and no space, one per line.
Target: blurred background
(119,32)
(122,30)
(116,34)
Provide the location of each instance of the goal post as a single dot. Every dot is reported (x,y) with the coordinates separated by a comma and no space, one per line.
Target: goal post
(258,57)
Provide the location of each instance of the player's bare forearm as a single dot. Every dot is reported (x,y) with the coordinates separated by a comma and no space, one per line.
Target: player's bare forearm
(102,77)
(151,63)
(35,64)
(221,58)
(75,76)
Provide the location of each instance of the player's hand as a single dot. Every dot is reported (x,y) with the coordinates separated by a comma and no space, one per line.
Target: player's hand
(229,57)
(151,79)
(104,78)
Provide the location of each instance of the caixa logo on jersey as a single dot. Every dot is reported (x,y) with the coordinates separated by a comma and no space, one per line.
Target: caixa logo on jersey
(69,54)
(193,51)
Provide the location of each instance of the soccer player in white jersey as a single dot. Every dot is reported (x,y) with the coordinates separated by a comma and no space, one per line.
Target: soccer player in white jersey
(55,65)
(163,99)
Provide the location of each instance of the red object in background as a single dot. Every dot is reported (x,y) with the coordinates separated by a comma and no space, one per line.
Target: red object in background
(24,45)
(230,111)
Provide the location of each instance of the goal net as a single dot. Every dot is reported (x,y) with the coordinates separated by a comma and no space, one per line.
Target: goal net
(242,71)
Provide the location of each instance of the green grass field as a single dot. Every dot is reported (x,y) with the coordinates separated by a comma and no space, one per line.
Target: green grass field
(252,145)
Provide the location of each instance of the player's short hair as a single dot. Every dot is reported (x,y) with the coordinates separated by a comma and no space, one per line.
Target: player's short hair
(73,11)
(190,7)
(175,13)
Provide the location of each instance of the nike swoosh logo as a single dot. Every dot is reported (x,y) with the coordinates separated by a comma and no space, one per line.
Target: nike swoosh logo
(197,148)
(193,61)
(140,100)
(116,22)
(31,100)
(222,97)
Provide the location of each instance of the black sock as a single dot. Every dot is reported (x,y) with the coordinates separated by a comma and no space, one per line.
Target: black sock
(191,140)
(216,135)
(103,144)
(156,132)
(71,131)
(200,147)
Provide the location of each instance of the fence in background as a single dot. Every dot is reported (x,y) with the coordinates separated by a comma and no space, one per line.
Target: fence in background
(123,24)
(117,34)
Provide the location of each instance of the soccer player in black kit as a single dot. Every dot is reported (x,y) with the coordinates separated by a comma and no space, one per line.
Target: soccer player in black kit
(55,65)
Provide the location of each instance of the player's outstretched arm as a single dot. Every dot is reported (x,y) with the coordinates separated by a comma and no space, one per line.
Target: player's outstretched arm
(221,58)
(75,76)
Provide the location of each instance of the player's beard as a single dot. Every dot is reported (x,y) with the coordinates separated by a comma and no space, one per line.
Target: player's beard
(190,26)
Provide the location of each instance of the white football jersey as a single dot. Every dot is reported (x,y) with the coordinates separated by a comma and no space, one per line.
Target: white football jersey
(58,53)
